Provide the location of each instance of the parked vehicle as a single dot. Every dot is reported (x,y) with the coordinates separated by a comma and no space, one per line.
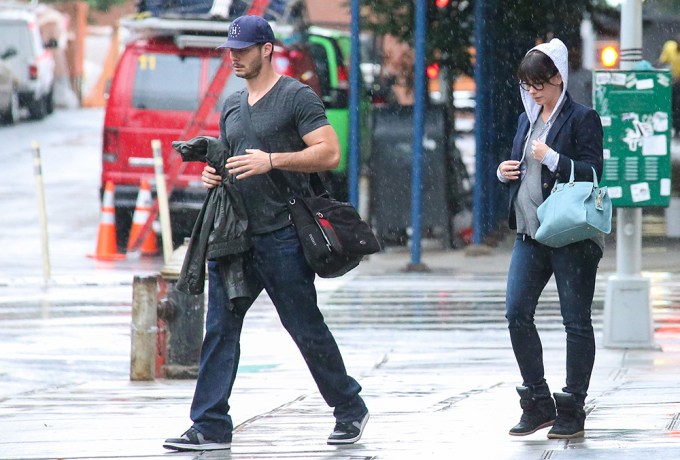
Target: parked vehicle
(9,95)
(331,51)
(161,77)
(32,62)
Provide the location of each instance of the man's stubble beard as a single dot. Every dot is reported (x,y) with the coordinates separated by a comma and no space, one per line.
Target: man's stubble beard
(255,72)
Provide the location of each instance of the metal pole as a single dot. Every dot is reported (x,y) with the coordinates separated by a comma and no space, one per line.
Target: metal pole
(481,124)
(627,314)
(162,197)
(418,129)
(354,89)
(42,213)
(629,220)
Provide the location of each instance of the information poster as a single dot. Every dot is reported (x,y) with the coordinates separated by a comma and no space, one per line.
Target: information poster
(635,108)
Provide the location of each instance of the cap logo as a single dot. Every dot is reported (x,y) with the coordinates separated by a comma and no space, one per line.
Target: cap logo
(246,31)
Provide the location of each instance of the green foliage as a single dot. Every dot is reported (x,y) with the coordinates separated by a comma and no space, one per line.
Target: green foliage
(449,31)
(670,7)
(104,5)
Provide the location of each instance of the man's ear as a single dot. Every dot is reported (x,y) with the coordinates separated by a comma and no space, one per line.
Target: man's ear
(268,49)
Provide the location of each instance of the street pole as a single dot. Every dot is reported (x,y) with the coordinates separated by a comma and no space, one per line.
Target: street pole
(418,130)
(627,311)
(162,197)
(354,89)
(42,213)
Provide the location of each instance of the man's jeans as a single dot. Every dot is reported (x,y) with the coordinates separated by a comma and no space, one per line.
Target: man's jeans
(575,267)
(278,266)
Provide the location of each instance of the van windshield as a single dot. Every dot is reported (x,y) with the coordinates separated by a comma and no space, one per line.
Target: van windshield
(173,82)
(321,63)
(167,82)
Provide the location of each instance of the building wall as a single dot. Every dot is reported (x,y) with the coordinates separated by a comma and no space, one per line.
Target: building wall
(329,13)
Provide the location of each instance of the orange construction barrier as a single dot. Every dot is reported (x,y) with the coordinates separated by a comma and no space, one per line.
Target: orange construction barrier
(142,210)
(106,240)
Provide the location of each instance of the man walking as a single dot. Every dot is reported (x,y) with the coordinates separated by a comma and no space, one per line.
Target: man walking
(289,119)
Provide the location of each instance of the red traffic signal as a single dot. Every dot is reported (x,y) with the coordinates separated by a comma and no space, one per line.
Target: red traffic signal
(432,71)
(442,3)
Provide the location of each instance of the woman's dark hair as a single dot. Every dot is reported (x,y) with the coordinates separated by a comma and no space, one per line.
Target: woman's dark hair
(536,68)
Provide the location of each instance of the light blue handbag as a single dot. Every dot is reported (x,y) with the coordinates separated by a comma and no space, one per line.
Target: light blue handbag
(574,211)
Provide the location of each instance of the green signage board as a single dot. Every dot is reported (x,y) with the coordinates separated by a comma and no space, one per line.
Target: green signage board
(635,107)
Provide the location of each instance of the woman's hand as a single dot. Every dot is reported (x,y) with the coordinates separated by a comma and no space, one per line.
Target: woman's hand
(209,178)
(509,169)
(539,149)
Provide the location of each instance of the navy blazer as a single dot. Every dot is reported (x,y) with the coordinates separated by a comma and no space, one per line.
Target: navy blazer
(576,134)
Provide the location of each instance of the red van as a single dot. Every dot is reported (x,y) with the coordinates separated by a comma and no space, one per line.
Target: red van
(159,82)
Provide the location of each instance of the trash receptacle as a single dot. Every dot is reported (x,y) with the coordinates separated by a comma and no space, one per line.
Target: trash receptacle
(391,167)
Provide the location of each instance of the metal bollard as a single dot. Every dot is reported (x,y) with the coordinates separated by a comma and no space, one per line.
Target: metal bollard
(143,349)
(180,322)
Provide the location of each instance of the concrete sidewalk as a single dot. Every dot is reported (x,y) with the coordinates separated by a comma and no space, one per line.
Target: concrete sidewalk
(431,351)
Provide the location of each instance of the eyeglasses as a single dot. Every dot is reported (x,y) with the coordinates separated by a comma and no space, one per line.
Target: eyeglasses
(537,86)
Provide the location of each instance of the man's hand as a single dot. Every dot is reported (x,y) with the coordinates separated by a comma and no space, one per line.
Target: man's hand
(254,162)
(209,178)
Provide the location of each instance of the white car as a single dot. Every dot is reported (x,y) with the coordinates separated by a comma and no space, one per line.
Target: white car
(32,62)
(9,96)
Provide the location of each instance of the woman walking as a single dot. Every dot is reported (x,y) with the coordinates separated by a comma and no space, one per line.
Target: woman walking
(551,132)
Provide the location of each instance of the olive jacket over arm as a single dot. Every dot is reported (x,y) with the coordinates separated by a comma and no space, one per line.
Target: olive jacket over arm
(221,229)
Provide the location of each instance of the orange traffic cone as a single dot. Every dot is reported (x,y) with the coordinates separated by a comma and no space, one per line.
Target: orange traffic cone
(139,218)
(106,240)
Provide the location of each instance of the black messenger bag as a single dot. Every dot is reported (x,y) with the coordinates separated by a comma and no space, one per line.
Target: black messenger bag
(333,236)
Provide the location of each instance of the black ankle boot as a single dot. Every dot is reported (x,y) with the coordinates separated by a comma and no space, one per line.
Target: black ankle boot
(538,411)
(570,420)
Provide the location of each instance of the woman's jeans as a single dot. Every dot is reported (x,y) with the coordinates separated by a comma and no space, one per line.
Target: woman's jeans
(575,267)
(278,266)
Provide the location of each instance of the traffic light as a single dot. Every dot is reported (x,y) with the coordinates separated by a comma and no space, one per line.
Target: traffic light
(606,53)
(442,3)
(432,71)
(609,56)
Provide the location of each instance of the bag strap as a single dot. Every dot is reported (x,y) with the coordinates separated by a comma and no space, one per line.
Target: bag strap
(571,175)
(595,183)
(276,177)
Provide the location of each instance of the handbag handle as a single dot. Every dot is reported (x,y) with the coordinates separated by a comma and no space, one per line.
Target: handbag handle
(571,176)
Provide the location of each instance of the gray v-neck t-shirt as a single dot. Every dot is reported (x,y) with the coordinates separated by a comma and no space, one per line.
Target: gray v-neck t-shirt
(530,194)
(280,119)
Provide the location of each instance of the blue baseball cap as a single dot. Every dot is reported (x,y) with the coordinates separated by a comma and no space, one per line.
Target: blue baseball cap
(246,31)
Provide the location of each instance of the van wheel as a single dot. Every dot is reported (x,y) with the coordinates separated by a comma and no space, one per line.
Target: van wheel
(37,109)
(12,114)
(123,218)
(49,102)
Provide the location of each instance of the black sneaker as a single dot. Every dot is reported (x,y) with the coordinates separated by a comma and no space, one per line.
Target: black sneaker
(193,440)
(348,432)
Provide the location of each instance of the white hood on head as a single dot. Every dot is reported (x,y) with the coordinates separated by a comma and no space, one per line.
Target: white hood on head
(558,53)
